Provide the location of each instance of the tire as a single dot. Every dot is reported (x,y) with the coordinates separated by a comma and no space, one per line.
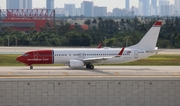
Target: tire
(31,67)
(87,66)
(91,67)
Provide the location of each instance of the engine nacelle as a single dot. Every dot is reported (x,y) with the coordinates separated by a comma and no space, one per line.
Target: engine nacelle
(76,63)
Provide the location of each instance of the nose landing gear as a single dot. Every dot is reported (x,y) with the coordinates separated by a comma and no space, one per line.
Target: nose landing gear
(31,67)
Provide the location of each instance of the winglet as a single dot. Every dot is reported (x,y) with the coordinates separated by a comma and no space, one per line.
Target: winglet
(121,52)
(99,46)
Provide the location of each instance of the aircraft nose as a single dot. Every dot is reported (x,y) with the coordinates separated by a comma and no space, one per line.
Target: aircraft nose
(19,59)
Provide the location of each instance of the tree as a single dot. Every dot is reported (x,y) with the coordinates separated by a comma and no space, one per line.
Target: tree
(87,22)
(63,29)
(74,38)
(94,21)
(115,32)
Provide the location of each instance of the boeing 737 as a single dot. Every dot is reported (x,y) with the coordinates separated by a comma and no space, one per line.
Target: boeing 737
(76,58)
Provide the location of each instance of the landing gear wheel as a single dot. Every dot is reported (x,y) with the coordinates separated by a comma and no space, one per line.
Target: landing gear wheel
(91,67)
(88,66)
(31,67)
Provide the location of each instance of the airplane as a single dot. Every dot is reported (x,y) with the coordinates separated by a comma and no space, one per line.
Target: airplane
(76,58)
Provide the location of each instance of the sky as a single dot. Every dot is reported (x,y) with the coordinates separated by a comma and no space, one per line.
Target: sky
(60,3)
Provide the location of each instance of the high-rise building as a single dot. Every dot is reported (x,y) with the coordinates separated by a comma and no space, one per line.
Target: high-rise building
(116,12)
(163,7)
(127,4)
(49,4)
(87,8)
(177,3)
(19,4)
(177,7)
(78,12)
(163,2)
(167,10)
(12,4)
(29,3)
(60,12)
(100,11)
(172,10)
(154,6)
(25,4)
(146,7)
(71,9)
(140,9)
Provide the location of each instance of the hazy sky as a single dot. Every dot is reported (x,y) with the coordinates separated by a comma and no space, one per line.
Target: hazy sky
(60,3)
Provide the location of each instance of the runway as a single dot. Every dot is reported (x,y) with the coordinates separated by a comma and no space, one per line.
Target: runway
(98,71)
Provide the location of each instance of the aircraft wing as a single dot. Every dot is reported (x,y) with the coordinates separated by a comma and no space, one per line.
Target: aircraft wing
(98,59)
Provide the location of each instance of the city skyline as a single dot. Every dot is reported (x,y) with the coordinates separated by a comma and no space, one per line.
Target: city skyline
(60,3)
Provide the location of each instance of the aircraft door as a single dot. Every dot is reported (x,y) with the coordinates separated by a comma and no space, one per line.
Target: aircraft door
(79,55)
(135,54)
(35,55)
(83,55)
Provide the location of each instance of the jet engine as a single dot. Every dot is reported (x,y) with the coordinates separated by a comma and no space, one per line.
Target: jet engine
(76,63)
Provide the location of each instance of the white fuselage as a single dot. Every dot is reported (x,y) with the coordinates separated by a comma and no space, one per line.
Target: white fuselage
(64,55)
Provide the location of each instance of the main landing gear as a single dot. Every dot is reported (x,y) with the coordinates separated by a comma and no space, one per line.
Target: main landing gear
(89,66)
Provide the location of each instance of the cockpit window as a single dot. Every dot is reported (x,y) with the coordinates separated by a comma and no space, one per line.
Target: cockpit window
(25,55)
